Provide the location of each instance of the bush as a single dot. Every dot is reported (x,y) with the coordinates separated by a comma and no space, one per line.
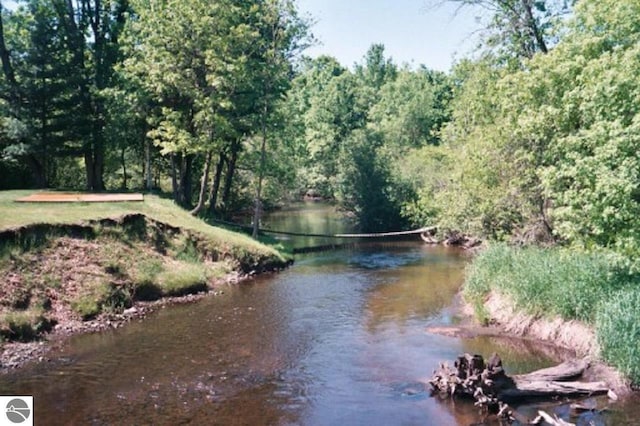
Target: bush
(145,280)
(618,332)
(89,304)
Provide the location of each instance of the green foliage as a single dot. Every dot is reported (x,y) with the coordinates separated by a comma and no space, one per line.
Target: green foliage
(365,188)
(100,296)
(618,331)
(187,251)
(356,131)
(572,285)
(153,280)
(546,150)
(145,278)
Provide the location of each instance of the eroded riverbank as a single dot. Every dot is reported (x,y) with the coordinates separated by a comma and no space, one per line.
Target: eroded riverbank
(60,280)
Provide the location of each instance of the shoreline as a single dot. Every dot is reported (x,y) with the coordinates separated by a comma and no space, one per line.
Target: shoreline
(91,276)
(571,338)
(17,355)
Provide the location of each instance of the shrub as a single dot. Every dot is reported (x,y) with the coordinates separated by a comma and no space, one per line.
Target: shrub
(89,304)
(186,250)
(145,280)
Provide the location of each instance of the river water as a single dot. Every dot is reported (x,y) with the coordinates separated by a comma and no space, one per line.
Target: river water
(338,339)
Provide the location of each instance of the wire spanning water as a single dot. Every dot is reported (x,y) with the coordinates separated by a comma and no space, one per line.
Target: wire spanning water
(338,339)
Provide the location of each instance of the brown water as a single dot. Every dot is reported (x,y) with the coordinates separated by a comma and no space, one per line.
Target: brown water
(338,339)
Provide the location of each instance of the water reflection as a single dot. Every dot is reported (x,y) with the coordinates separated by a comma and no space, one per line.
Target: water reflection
(310,218)
(415,292)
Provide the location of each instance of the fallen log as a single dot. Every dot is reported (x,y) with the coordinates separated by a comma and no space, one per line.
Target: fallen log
(566,371)
(542,389)
(492,389)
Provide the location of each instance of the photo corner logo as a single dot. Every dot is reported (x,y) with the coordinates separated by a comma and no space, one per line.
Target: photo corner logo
(18,410)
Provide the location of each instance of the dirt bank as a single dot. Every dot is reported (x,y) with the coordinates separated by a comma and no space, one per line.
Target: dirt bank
(60,280)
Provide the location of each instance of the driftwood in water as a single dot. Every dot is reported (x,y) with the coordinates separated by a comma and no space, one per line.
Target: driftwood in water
(453,239)
(488,384)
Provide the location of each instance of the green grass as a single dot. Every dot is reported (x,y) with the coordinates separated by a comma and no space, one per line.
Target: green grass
(590,287)
(182,279)
(550,282)
(17,214)
(618,331)
(23,325)
(113,262)
(89,303)
(101,296)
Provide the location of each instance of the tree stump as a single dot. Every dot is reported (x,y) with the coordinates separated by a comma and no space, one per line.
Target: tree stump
(488,384)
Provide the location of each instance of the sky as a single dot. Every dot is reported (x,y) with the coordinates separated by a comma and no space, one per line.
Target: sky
(411,31)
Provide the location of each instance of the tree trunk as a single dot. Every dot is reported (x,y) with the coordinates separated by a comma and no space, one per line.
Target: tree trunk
(203,185)
(215,184)
(89,169)
(98,160)
(100,72)
(124,168)
(7,67)
(185,182)
(257,213)
(77,45)
(490,386)
(147,163)
(533,26)
(174,179)
(38,171)
(228,181)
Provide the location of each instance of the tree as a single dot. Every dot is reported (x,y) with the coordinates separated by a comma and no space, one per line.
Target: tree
(44,103)
(177,54)
(91,30)
(325,108)
(282,36)
(549,151)
(520,28)
(365,183)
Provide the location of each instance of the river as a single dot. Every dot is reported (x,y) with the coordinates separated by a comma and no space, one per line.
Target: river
(337,339)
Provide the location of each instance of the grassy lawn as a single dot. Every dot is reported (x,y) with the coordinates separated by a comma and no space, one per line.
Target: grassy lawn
(13,214)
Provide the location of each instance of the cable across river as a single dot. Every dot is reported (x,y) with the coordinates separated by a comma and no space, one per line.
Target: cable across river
(302,234)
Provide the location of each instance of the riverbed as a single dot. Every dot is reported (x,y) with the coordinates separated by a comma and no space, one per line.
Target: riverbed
(338,339)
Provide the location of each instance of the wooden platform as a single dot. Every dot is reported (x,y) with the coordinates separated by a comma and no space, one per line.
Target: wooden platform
(78,197)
